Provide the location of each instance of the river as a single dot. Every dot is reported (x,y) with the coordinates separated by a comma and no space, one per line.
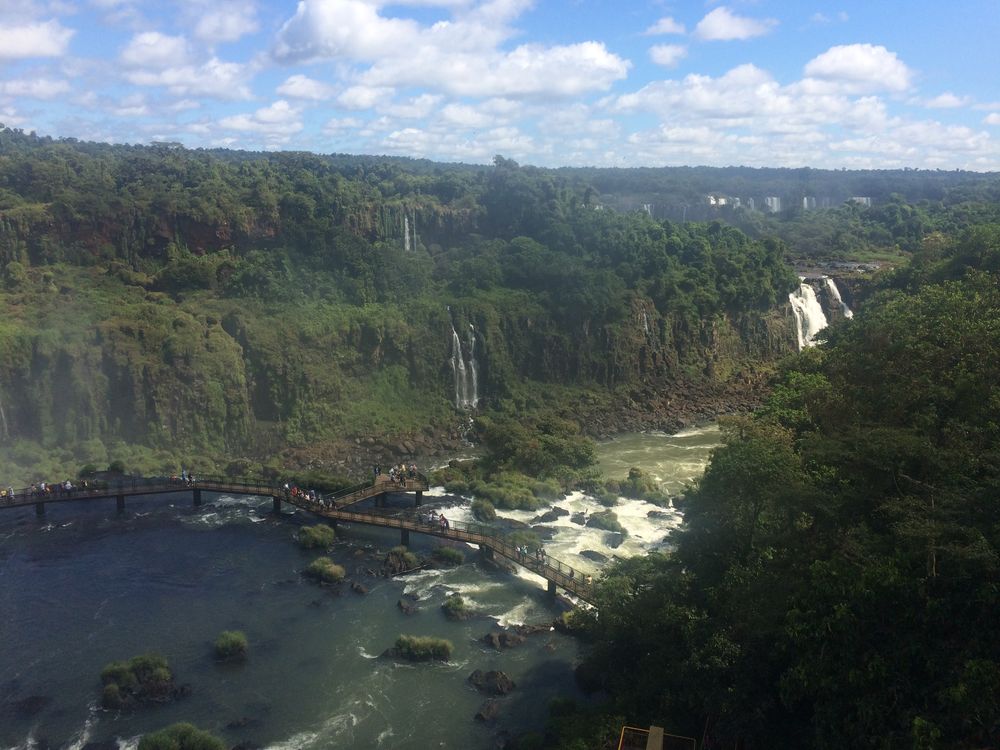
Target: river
(85,587)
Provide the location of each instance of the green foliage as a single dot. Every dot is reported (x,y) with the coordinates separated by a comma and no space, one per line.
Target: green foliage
(400,558)
(141,679)
(423,648)
(181,736)
(638,485)
(448,555)
(455,608)
(324,570)
(841,553)
(320,536)
(231,645)
(607,520)
(483,511)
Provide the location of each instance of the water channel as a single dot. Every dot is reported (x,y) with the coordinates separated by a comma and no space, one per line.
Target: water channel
(84,587)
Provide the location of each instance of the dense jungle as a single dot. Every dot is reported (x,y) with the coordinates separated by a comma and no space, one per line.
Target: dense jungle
(834,583)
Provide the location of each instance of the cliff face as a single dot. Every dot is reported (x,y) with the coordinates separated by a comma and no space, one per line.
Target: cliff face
(226,378)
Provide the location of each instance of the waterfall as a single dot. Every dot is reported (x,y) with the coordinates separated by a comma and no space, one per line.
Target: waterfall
(645,322)
(406,233)
(464,370)
(831,287)
(809,317)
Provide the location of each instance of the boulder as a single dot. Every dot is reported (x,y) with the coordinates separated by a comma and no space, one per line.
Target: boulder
(614,539)
(594,555)
(489,710)
(660,514)
(407,608)
(503,639)
(493,682)
(550,515)
(359,588)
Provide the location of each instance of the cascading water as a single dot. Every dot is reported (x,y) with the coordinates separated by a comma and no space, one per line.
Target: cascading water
(464,370)
(831,287)
(809,317)
(645,322)
(406,233)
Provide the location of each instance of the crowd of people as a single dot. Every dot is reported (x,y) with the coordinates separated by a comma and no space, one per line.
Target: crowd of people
(398,474)
(42,490)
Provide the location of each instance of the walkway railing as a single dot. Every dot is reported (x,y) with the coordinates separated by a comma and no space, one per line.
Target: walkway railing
(565,576)
(333,507)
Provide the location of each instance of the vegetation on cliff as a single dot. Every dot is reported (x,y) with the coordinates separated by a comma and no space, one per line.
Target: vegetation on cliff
(836,578)
(175,309)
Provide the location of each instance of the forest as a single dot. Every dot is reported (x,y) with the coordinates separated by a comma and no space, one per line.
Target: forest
(167,306)
(835,581)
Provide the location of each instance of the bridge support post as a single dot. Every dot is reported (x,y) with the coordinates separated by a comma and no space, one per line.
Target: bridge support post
(197,496)
(120,499)
(552,589)
(404,537)
(487,552)
(40,509)
(277,504)
(418,498)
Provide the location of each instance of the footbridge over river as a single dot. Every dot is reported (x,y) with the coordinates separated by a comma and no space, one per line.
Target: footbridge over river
(339,507)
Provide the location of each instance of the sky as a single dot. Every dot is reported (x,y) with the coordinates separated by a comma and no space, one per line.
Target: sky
(873,84)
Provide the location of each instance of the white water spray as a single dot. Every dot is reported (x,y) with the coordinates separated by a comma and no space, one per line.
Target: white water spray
(831,287)
(809,317)
(406,233)
(464,370)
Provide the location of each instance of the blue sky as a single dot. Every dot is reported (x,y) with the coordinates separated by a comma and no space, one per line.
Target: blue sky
(882,83)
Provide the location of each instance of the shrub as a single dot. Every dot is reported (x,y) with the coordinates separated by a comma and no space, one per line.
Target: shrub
(483,510)
(406,559)
(640,486)
(116,467)
(607,520)
(141,679)
(423,648)
(455,608)
(324,570)
(457,487)
(181,737)
(87,471)
(448,556)
(319,536)
(231,645)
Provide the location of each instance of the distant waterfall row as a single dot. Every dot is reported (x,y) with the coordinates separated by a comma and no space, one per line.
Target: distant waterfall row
(809,316)
(464,369)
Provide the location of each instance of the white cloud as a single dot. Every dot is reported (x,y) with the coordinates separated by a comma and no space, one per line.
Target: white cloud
(416,108)
(464,116)
(364,97)
(225,22)
(947,100)
(34,88)
(48,39)
(993,118)
(666,25)
(214,78)
(279,121)
(461,56)
(338,125)
(722,24)
(858,68)
(151,49)
(667,55)
(301,87)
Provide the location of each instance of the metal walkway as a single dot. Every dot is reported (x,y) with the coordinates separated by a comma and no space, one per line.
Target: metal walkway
(336,507)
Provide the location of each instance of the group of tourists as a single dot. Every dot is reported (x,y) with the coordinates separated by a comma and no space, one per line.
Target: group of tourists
(7,495)
(52,489)
(398,474)
(184,478)
(523,553)
(433,519)
(295,492)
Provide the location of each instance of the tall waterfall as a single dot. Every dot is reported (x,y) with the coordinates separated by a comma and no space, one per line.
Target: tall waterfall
(465,370)
(406,233)
(809,317)
(831,287)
